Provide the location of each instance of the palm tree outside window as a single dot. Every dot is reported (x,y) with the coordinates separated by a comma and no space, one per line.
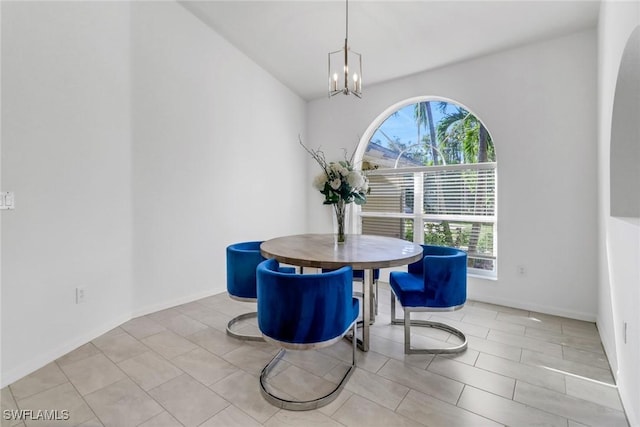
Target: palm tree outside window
(432,171)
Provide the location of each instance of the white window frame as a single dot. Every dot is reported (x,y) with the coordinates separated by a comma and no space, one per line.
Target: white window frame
(418,217)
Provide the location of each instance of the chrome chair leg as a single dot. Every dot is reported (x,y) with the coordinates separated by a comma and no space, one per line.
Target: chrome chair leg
(373,302)
(305,405)
(372,308)
(241,336)
(407,322)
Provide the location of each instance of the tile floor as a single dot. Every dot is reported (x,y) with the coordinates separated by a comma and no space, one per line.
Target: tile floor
(177,367)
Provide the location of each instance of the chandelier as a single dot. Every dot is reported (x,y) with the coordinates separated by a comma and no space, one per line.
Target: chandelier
(342,79)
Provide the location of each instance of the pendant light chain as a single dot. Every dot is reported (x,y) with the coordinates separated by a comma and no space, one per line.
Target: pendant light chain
(346,31)
(344,84)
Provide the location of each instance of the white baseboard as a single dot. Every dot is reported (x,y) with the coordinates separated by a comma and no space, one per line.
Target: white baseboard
(545,309)
(44,359)
(523,305)
(168,304)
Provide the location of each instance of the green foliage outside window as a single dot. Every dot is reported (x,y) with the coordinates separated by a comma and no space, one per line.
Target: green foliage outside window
(440,133)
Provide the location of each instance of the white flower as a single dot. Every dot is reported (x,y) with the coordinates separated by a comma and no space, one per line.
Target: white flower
(319,181)
(355,180)
(335,174)
(339,169)
(336,183)
(365,186)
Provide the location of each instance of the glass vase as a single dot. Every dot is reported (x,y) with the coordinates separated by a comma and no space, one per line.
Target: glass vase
(340,210)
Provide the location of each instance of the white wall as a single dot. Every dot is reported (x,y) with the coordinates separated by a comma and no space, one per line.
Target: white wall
(539,104)
(619,238)
(215,149)
(139,145)
(66,153)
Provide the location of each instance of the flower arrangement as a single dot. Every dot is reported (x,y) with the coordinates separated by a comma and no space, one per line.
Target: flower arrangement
(340,184)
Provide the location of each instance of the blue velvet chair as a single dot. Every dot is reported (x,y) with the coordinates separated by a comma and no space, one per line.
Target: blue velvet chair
(242,260)
(305,312)
(358,276)
(438,282)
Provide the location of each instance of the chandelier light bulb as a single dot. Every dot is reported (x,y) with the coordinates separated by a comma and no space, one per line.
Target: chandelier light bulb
(357,83)
(347,58)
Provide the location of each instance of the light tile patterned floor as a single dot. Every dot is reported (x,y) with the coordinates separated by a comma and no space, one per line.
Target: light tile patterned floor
(177,367)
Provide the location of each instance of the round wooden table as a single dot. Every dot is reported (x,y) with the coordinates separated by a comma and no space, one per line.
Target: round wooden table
(360,251)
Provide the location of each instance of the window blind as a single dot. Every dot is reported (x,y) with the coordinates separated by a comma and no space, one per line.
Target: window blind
(462,192)
(454,204)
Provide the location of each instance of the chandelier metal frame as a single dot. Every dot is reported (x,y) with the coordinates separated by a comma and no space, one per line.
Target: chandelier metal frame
(339,80)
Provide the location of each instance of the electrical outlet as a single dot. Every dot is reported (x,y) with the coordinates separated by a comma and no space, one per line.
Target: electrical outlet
(80,293)
(522,271)
(7,200)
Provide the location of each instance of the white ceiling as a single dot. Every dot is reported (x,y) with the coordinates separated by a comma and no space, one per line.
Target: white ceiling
(291,39)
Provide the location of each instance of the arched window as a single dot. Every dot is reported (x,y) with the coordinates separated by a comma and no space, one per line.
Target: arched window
(432,167)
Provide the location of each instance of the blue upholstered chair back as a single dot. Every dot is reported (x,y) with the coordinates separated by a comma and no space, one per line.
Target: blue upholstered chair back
(438,282)
(242,261)
(444,274)
(359,274)
(305,308)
